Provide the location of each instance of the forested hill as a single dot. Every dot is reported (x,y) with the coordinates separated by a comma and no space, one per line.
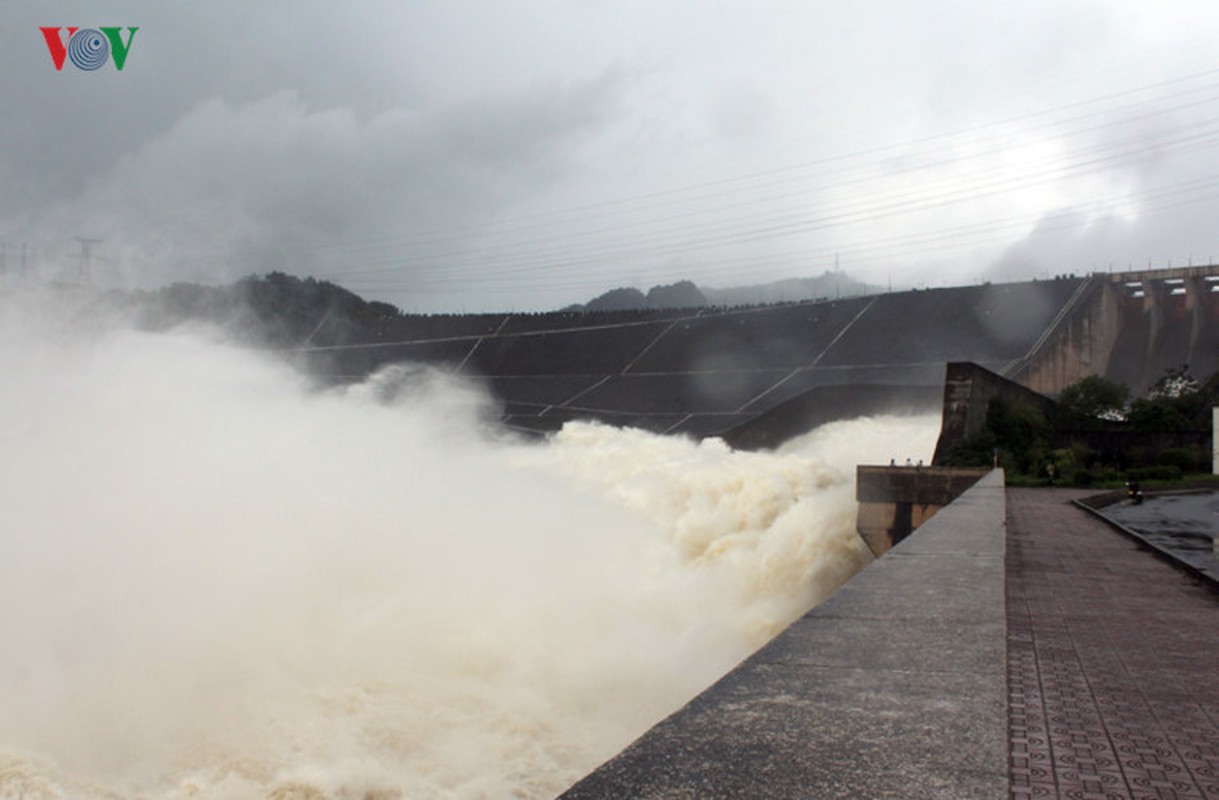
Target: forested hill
(276,310)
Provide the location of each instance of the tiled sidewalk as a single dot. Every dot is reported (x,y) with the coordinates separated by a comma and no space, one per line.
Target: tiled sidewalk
(1113,661)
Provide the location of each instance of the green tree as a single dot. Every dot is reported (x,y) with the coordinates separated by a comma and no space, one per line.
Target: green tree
(1095,396)
(1158,415)
(1171,405)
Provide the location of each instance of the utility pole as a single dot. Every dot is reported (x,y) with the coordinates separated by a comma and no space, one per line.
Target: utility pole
(86,258)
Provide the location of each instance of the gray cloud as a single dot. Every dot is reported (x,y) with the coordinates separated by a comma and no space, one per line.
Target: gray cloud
(479,155)
(232,188)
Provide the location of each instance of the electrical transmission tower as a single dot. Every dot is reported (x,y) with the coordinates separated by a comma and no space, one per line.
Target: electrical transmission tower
(86,258)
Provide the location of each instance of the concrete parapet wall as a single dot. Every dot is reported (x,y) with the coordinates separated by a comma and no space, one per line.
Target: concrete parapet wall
(894,687)
(924,485)
(894,501)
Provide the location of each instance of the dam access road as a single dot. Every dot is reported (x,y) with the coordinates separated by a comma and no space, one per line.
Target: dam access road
(1013,646)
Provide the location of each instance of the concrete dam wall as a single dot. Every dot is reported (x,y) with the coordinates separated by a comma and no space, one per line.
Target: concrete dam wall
(709,371)
(1130,328)
(757,376)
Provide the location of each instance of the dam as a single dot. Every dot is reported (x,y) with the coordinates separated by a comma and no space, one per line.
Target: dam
(759,375)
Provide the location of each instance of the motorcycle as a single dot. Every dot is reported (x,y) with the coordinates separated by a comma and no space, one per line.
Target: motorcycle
(1134,493)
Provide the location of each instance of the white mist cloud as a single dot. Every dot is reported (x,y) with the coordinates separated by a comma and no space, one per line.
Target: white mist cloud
(221,583)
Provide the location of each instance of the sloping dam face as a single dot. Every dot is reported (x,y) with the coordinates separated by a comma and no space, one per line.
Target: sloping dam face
(757,376)
(753,375)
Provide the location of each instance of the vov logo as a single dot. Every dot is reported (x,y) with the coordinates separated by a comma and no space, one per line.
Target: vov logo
(88,48)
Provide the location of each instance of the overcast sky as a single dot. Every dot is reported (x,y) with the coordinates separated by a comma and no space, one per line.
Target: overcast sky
(464,156)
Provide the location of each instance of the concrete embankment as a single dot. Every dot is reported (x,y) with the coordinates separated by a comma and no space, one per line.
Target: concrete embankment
(894,687)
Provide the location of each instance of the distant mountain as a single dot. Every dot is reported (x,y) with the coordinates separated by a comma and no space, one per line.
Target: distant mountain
(686,294)
(827,286)
(626,299)
(683,294)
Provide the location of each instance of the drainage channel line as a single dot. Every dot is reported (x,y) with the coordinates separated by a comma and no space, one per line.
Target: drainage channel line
(649,346)
(678,424)
(843,332)
(469,353)
(583,392)
(812,363)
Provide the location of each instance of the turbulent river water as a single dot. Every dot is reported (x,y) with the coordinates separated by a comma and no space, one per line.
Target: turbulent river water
(221,582)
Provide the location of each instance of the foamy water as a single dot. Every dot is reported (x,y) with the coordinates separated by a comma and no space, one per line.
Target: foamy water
(219,583)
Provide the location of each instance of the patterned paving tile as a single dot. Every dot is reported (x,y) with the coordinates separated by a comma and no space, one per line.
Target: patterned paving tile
(1113,662)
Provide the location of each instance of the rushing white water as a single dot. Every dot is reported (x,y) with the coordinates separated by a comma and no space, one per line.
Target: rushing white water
(218,583)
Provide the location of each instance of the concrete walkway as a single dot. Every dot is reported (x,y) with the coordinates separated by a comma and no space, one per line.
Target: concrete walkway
(1113,661)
